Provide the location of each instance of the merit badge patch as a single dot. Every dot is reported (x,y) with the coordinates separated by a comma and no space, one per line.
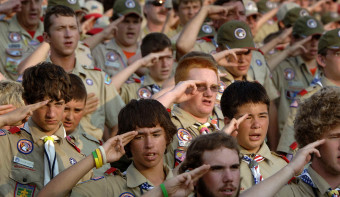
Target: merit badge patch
(258,62)
(72,161)
(2,132)
(222,86)
(89,82)
(144,93)
(126,194)
(311,23)
(180,155)
(240,33)
(14,52)
(304,13)
(14,37)
(108,79)
(130,4)
(206,29)
(110,56)
(183,135)
(24,190)
(34,43)
(25,146)
(289,74)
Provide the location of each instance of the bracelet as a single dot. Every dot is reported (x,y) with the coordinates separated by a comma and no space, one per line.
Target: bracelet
(100,160)
(165,193)
(95,157)
(103,154)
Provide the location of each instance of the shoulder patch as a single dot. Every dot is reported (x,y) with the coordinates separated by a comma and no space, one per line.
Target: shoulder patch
(69,140)
(281,156)
(108,79)
(137,80)
(2,132)
(126,194)
(24,190)
(25,146)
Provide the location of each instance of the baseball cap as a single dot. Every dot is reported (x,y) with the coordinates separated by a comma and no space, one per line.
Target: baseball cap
(73,4)
(284,9)
(251,7)
(293,14)
(307,26)
(235,34)
(95,9)
(330,40)
(264,6)
(206,31)
(125,7)
(329,17)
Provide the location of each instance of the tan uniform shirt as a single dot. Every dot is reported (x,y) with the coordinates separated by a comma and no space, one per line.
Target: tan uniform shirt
(22,160)
(290,77)
(269,166)
(188,129)
(124,185)
(287,135)
(16,45)
(267,28)
(302,189)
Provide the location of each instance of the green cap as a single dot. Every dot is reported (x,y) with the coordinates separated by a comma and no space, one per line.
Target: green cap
(235,34)
(307,26)
(330,40)
(73,4)
(206,31)
(284,8)
(251,7)
(329,17)
(293,14)
(264,6)
(125,7)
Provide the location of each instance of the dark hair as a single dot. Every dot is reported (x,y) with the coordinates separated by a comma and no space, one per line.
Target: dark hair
(176,3)
(58,10)
(154,42)
(45,80)
(78,90)
(145,113)
(207,142)
(221,2)
(240,93)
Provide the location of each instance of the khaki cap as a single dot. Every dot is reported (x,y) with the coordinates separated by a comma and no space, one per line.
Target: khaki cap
(264,6)
(307,26)
(125,7)
(330,17)
(329,40)
(206,31)
(73,4)
(251,7)
(284,9)
(293,14)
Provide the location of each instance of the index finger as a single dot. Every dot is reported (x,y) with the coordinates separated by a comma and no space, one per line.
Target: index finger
(199,172)
(242,118)
(36,106)
(118,20)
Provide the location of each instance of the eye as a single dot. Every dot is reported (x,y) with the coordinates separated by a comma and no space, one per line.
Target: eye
(201,87)
(214,88)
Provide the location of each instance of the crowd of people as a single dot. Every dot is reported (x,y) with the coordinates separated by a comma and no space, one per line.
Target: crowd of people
(170,98)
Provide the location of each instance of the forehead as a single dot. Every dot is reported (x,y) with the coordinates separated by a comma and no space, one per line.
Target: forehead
(76,103)
(203,74)
(252,108)
(146,130)
(62,20)
(239,5)
(334,131)
(221,156)
(188,3)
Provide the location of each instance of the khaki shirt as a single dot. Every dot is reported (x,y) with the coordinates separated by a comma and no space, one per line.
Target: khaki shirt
(287,134)
(187,130)
(267,28)
(16,45)
(300,188)
(271,164)
(127,183)
(87,144)
(290,77)
(22,160)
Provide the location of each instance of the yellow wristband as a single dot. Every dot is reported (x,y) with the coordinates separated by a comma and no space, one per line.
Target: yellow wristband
(95,157)
(100,159)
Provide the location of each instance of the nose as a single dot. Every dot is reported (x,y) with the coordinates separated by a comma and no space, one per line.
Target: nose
(149,143)
(227,176)
(255,124)
(50,112)
(208,92)
(69,116)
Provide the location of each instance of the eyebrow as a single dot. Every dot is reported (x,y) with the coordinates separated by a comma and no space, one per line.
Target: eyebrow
(152,132)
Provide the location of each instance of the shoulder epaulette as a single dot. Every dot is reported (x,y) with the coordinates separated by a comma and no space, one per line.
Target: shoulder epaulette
(69,140)
(293,146)
(110,171)
(303,92)
(14,130)
(137,80)
(40,38)
(91,138)
(83,43)
(96,68)
(281,156)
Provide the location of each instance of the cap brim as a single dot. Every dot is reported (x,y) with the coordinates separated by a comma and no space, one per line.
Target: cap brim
(95,15)
(128,13)
(94,31)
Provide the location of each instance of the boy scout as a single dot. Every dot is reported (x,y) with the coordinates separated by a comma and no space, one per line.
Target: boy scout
(25,168)
(61,32)
(258,162)
(20,36)
(296,73)
(328,60)
(74,110)
(155,14)
(113,55)
(153,132)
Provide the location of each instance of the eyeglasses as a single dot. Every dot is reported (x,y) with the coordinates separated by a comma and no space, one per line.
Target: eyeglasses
(157,3)
(203,87)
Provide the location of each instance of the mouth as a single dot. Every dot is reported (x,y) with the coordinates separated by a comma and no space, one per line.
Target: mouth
(33,15)
(241,68)
(51,121)
(255,137)
(227,191)
(150,156)
(130,35)
(68,43)
(207,102)
(67,124)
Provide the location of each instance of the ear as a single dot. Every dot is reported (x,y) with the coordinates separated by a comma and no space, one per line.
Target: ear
(46,37)
(226,120)
(321,60)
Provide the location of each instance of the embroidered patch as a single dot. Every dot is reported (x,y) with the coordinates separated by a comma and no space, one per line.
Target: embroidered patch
(289,74)
(89,82)
(25,146)
(23,162)
(130,4)
(14,37)
(97,178)
(258,62)
(291,94)
(304,13)
(294,104)
(183,135)
(34,43)
(222,86)
(24,190)
(126,194)
(108,79)
(111,56)
(180,155)
(72,161)
(144,93)
(240,33)
(2,132)
(14,52)
(311,23)
(206,29)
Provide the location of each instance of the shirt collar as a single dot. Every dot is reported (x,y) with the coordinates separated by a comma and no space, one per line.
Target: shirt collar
(263,151)
(318,181)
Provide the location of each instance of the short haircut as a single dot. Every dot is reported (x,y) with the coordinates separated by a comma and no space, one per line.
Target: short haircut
(221,2)
(145,113)
(78,90)
(45,80)
(240,93)
(317,115)
(190,61)
(207,142)
(58,10)
(11,93)
(154,42)
(176,3)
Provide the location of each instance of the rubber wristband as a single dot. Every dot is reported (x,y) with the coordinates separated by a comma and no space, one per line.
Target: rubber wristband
(100,160)
(95,157)
(165,193)
(103,154)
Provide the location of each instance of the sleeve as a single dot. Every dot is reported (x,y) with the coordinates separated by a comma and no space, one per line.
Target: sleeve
(91,188)
(269,86)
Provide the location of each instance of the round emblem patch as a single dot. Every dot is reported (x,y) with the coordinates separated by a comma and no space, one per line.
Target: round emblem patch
(25,146)
(110,56)
(240,33)
(206,29)
(72,161)
(183,135)
(72,1)
(222,87)
(2,132)
(289,73)
(258,62)
(89,82)
(311,23)
(130,4)
(126,194)
(144,93)
(14,37)
(304,13)
(251,5)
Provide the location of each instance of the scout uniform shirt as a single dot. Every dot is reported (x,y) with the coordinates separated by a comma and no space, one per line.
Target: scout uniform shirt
(314,186)
(269,164)
(187,129)
(87,144)
(287,142)
(16,45)
(130,183)
(143,88)
(22,159)
(290,77)
(110,103)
